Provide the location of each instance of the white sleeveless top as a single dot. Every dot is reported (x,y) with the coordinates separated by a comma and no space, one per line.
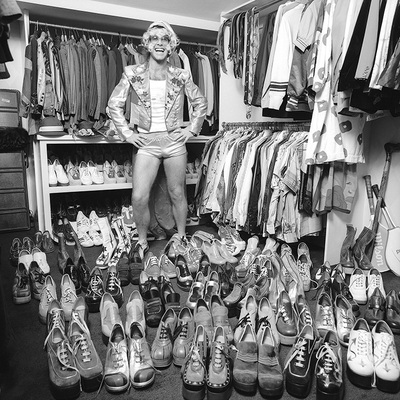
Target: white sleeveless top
(157,100)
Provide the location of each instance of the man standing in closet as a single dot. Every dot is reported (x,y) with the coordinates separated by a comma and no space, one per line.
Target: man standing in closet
(157,94)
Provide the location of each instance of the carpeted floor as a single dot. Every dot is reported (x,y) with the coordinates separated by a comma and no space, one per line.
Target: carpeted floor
(24,371)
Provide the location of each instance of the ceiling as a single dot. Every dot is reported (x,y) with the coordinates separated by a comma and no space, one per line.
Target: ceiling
(193,20)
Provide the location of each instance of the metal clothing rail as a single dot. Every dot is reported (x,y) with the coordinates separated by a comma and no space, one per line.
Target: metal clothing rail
(301,125)
(73,28)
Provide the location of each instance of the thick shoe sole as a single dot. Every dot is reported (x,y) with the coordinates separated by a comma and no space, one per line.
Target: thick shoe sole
(22,300)
(321,395)
(387,386)
(247,388)
(219,395)
(65,392)
(300,391)
(287,340)
(189,394)
(91,384)
(364,382)
(271,393)
(142,385)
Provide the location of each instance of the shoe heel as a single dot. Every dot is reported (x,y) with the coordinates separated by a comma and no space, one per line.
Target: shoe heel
(65,393)
(91,384)
(190,394)
(364,382)
(387,386)
(245,388)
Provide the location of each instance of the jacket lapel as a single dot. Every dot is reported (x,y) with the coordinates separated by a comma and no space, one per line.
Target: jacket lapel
(141,85)
(173,87)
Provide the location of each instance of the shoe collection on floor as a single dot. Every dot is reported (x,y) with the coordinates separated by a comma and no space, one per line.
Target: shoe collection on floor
(263,286)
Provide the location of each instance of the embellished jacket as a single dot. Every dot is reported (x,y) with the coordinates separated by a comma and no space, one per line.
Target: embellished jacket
(135,78)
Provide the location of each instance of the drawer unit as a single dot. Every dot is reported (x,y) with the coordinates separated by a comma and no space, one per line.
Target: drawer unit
(14,208)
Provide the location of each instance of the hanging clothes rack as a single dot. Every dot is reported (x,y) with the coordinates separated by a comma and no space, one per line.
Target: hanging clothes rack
(73,28)
(297,126)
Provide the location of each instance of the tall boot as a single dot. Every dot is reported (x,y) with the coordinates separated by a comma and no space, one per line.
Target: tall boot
(365,237)
(346,252)
(62,255)
(109,243)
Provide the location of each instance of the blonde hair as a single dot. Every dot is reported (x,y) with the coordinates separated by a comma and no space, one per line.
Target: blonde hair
(174,40)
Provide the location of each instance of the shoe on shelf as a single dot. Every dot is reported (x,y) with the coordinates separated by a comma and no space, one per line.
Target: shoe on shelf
(386,360)
(21,288)
(62,178)
(109,173)
(51,174)
(84,173)
(120,174)
(96,176)
(74,176)
(116,367)
(360,358)
(128,171)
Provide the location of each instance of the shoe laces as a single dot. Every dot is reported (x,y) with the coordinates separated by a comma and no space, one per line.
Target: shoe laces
(220,352)
(195,356)
(95,285)
(375,281)
(263,323)
(247,258)
(305,315)
(64,353)
(298,354)
(48,293)
(182,331)
(252,269)
(363,343)
(329,359)
(327,315)
(304,270)
(387,349)
(23,281)
(68,296)
(116,355)
(244,320)
(282,311)
(56,323)
(348,320)
(358,282)
(113,282)
(81,344)
(165,332)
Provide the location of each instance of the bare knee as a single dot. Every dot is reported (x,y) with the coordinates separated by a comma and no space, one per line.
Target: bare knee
(177,194)
(139,200)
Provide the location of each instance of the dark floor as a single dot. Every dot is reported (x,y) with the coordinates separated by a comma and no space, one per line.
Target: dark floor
(24,372)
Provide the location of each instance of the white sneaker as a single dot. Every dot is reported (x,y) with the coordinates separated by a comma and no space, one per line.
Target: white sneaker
(68,295)
(358,286)
(94,221)
(360,359)
(386,360)
(95,236)
(25,257)
(41,260)
(303,255)
(52,174)
(95,174)
(84,173)
(375,281)
(62,178)
(82,222)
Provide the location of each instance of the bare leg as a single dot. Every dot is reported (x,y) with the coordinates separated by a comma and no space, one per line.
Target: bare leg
(145,171)
(175,170)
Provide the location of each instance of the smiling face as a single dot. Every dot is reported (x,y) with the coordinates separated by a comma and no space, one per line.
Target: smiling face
(159,44)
